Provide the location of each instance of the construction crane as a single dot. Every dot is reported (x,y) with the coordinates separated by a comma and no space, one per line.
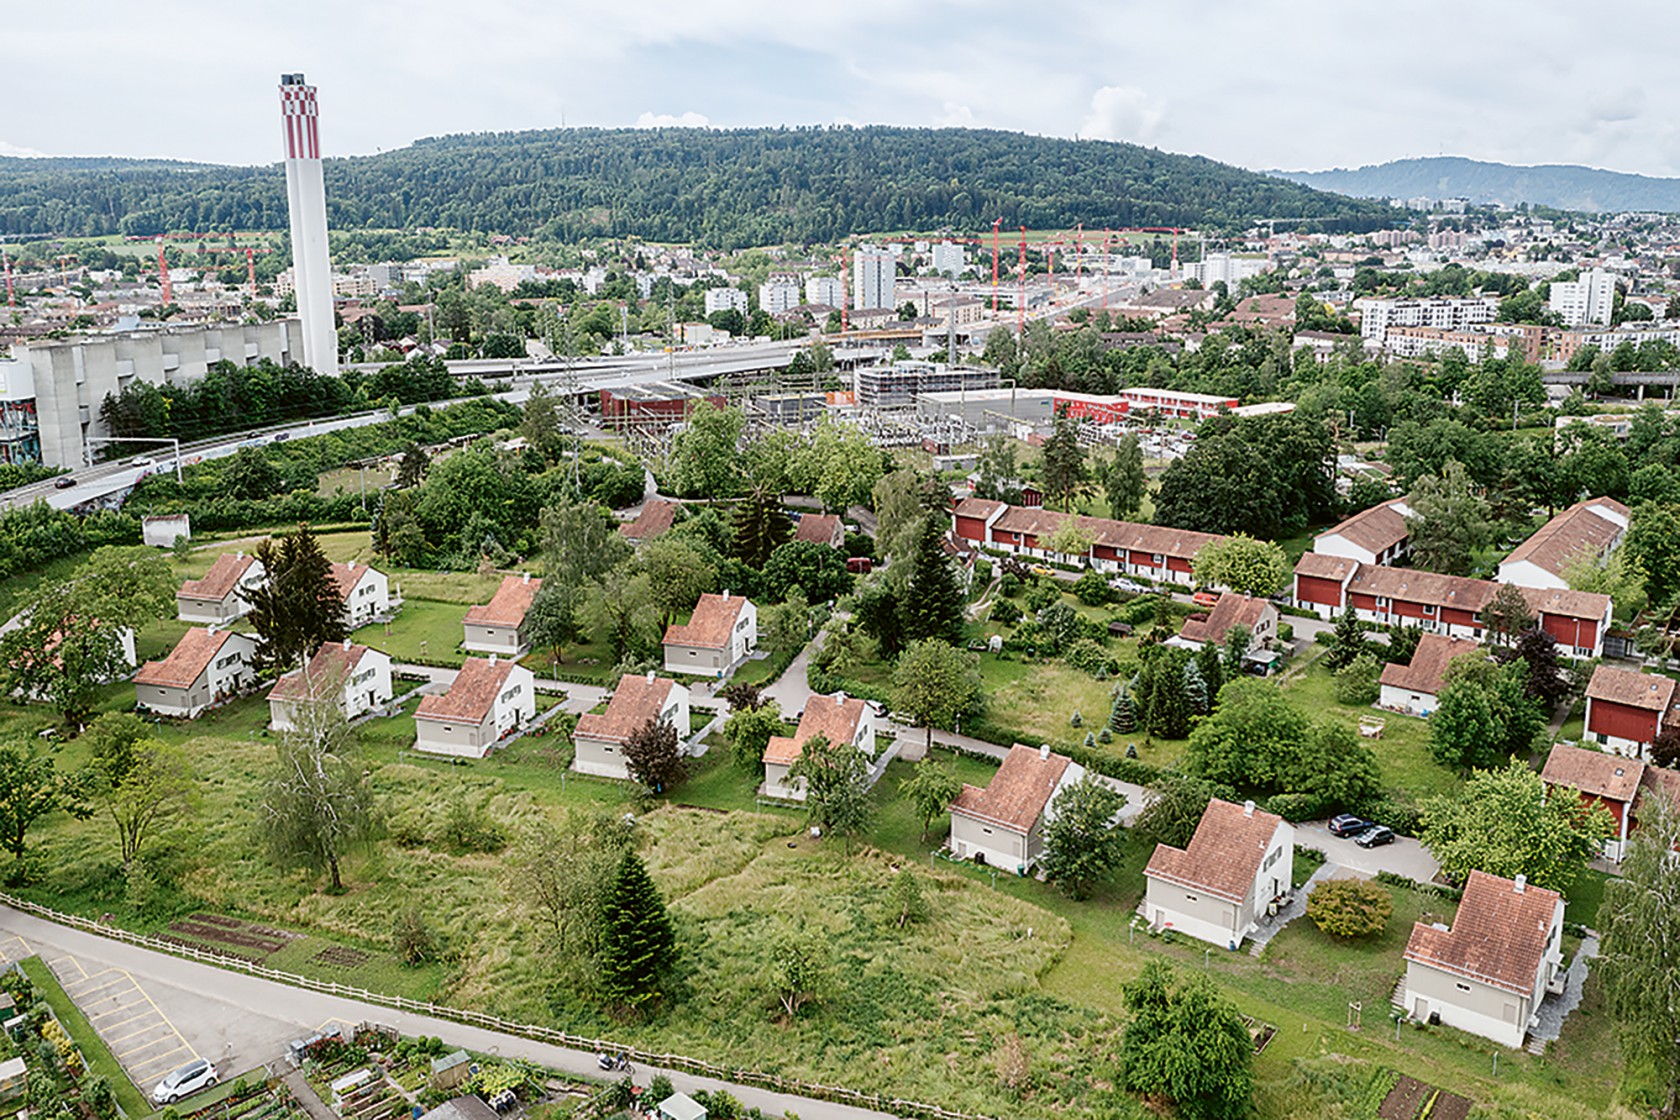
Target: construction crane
(6,261)
(250,252)
(163,274)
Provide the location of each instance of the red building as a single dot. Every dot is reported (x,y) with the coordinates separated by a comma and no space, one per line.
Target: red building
(1152,551)
(1626,711)
(665,402)
(1618,784)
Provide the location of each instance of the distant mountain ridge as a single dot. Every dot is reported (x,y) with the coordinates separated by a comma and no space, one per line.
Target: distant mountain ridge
(1558,185)
(724,188)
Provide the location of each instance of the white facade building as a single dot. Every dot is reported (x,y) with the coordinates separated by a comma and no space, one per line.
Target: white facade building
(1447,314)
(826,290)
(949,258)
(778,294)
(874,279)
(1585,301)
(725,299)
(306,203)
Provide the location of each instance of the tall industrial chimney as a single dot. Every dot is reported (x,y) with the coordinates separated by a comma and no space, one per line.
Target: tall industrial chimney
(306,200)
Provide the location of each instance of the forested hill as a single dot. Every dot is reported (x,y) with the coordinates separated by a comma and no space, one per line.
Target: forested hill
(1563,186)
(719,188)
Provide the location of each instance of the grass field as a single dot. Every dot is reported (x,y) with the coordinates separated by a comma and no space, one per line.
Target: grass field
(100,1060)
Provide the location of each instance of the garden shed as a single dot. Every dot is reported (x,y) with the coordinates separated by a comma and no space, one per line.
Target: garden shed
(680,1106)
(451,1070)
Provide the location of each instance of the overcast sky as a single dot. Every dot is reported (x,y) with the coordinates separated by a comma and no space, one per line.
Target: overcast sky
(1259,83)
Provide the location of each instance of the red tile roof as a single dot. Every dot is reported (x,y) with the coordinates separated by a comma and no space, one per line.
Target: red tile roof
(325,675)
(1585,528)
(1223,856)
(981,508)
(835,718)
(508,606)
(187,662)
(347,576)
(1427,671)
(1413,586)
(1322,566)
(1038,522)
(634,702)
(472,696)
(818,528)
(1609,776)
(1018,792)
(1564,603)
(656,516)
(1376,529)
(1231,610)
(1634,690)
(1498,938)
(711,623)
(224,575)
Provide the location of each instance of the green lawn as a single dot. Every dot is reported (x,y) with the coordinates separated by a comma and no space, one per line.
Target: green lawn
(1585,897)
(424,630)
(1402,752)
(99,1058)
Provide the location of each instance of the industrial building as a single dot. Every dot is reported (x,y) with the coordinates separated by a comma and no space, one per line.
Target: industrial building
(51,391)
(663,401)
(902,382)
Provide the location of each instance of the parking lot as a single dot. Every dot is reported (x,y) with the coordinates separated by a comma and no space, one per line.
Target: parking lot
(138,1033)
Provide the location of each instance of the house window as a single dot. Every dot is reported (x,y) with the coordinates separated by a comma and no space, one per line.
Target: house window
(1429,611)
(1462,987)
(1190,898)
(1382,601)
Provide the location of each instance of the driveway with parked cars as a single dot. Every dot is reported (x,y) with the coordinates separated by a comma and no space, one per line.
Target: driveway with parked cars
(1405,856)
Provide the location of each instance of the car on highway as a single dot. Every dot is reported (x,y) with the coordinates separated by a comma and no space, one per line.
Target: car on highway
(1348,825)
(64,482)
(1375,836)
(184,1082)
(140,461)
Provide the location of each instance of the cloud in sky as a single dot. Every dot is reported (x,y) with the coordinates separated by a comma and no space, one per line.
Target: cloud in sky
(13,150)
(1260,83)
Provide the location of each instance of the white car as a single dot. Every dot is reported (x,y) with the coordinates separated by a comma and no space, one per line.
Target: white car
(1130,585)
(184,1082)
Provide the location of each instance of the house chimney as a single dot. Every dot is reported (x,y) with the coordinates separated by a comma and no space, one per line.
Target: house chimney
(1521,883)
(240,555)
(347,645)
(527,577)
(492,660)
(1248,808)
(840,697)
(726,594)
(1044,750)
(350,567)
(650,676)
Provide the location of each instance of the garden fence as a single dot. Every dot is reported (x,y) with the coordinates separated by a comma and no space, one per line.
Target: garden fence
(896,1106)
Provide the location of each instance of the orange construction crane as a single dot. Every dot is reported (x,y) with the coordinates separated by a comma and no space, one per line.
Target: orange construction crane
(163,274)
(250,252)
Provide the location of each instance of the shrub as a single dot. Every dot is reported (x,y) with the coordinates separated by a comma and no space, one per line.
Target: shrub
(1088,656)
(1005,612)
(1092,589)
(1293,807)
(982,572)
(1356,683)
(1286,632)
(1041,595)
(1009,584)
(1350,908)
(412,938)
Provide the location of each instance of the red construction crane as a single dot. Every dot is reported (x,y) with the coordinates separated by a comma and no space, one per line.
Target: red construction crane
(250,252)
(163,274)
(11,300)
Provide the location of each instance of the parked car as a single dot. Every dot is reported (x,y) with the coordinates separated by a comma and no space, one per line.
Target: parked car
(1205,598)
(1041,571)
(1349,825)
(184,1082)
(1131,586)
(64,482)
(860,565)
(1375,836)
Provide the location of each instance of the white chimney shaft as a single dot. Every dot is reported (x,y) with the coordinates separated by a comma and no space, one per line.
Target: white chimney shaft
(306,204)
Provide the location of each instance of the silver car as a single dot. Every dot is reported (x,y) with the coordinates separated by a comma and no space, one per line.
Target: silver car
(184,1082)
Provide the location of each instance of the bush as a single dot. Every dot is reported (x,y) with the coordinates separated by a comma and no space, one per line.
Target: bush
(1009,584)
(1286,632)
(1088,656)
(982,572)
(1356,683)
(1092,589)
(1005,612)
(1350,908)
(1041,595)
(412,938)
(1293,807)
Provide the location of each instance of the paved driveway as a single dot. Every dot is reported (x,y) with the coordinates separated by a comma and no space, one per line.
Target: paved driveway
(1403,857)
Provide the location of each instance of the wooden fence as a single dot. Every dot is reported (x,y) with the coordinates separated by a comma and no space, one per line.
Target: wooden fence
(738,1075)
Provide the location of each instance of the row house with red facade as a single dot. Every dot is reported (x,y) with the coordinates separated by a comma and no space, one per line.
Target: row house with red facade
(1621,785)
(1118,547)
(1447,605)
(1626,711)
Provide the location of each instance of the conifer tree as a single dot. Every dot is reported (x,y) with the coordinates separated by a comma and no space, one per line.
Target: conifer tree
(639,944)
(932,606)
(1122,718)
(1349,643)
(297,609)
(1212,666)
(1195,688)
(761,527)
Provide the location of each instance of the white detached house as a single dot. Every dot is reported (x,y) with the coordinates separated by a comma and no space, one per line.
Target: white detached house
(366,593)
(1002,825)
(719,634)
(206,667)
(357,678)
(1239,861)
(489,699)
(599,737)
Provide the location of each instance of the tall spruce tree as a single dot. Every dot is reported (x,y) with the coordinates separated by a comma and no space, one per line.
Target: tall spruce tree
(761,527)
(638,944)
(1122,717)
(1062,462)
(1196,689)
(1349,641)
(932,604)
(1210,660)
(298,607)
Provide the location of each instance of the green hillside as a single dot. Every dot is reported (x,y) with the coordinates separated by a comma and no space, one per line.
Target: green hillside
(718,188)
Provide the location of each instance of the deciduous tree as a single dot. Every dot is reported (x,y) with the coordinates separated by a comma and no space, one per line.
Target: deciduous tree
(749,731)
(800,968)
(1505,822)
(1123,479)
(30,788)
(930,789)
(704,460)
(1507,614)
(678,574)
(1243,564)
(1184,1041)
(1448,522)
(143,782)
(317,802)
(836,777)
(1083,840)
(653,755)
(936,684)
(1639,960)
(1350,908)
